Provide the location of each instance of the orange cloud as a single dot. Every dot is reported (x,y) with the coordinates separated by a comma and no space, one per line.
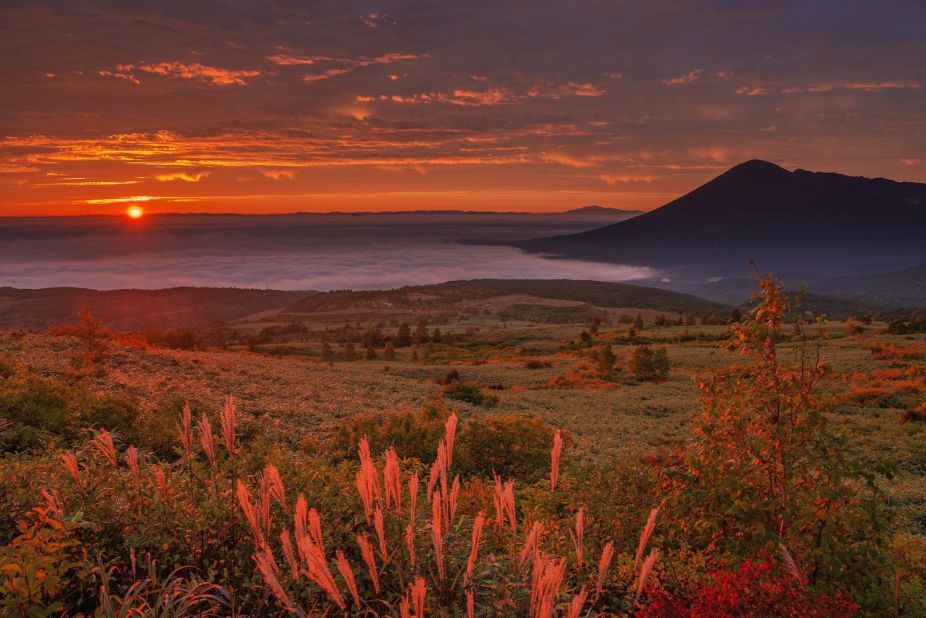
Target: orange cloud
(579,90)
(124,200)
(491,95)
(120,75)
(830,86)
(290,60)
(347,64)
(568,160)
(83,182)
(910,162)
(687,78)
(6,168)
(278,174)
(179,70)
(314,77)
(614,179)
(752,91)
(184,176)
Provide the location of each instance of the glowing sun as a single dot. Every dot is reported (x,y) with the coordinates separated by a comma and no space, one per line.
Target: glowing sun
(135,212)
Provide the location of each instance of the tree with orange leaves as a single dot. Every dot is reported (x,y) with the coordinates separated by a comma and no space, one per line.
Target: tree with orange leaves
(765,472)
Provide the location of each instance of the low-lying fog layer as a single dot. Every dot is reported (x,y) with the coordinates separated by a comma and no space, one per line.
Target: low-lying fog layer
(319,252)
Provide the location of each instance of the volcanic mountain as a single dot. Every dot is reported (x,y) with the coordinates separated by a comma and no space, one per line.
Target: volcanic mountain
(815,223)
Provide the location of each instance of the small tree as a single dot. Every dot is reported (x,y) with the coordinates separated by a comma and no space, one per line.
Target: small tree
(327,353)
(92,335)
(647,364)
(350,352)
(403,337)
(371,353)
(638,322)
(765,472)
(389,351)
(421,333)
(605,358)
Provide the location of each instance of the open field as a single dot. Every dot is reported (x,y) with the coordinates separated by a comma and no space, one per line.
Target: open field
(311,381)
(300,398)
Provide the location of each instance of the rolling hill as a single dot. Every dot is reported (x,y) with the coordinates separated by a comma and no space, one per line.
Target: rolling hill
(443,295)
(127,310)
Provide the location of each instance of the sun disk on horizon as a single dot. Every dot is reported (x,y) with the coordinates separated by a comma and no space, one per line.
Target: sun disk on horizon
(135,212)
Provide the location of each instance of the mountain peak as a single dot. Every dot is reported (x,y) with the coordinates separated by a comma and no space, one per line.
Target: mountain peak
(756,166)
(786,221)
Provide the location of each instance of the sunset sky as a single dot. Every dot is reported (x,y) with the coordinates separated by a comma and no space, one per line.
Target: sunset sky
(282,106)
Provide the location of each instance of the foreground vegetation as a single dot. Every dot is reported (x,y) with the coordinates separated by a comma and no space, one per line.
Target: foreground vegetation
(765,507)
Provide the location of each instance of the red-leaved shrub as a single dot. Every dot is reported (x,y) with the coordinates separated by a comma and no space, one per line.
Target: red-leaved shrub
(756,588)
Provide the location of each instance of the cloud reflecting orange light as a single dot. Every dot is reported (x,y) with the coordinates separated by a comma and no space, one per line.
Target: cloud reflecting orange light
(507,106)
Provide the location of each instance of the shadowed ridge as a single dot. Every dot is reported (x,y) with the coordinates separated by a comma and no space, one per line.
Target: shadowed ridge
(824,223)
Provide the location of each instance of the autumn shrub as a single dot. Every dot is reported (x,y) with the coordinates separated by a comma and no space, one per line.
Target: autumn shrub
(42,569)
(755,588)
(765,471)
(895,353)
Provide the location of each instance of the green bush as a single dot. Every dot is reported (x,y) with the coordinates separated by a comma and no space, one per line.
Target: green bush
(37,409)
(649,365)
(115,413)
(411,434)
(512,446)
(469,392)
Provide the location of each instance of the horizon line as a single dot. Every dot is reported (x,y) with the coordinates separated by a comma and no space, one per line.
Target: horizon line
(434,211)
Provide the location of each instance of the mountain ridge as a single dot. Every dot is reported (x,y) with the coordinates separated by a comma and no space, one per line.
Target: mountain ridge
(822,222)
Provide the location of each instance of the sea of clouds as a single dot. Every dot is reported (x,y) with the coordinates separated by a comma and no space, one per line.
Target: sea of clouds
(288,252)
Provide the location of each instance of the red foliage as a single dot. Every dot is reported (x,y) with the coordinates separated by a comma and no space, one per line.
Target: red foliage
(757,588)
(891,352)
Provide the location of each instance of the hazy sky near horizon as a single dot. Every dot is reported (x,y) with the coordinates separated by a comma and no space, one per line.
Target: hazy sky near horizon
(281,106)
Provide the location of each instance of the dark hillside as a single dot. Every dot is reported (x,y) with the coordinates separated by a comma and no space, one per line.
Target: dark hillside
(128,310)
(825,223)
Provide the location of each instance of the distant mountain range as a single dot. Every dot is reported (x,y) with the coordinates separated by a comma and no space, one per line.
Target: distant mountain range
(840,232)
(594,209)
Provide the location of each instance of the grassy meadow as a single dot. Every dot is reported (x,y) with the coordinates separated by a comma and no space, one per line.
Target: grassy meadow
(122,464)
